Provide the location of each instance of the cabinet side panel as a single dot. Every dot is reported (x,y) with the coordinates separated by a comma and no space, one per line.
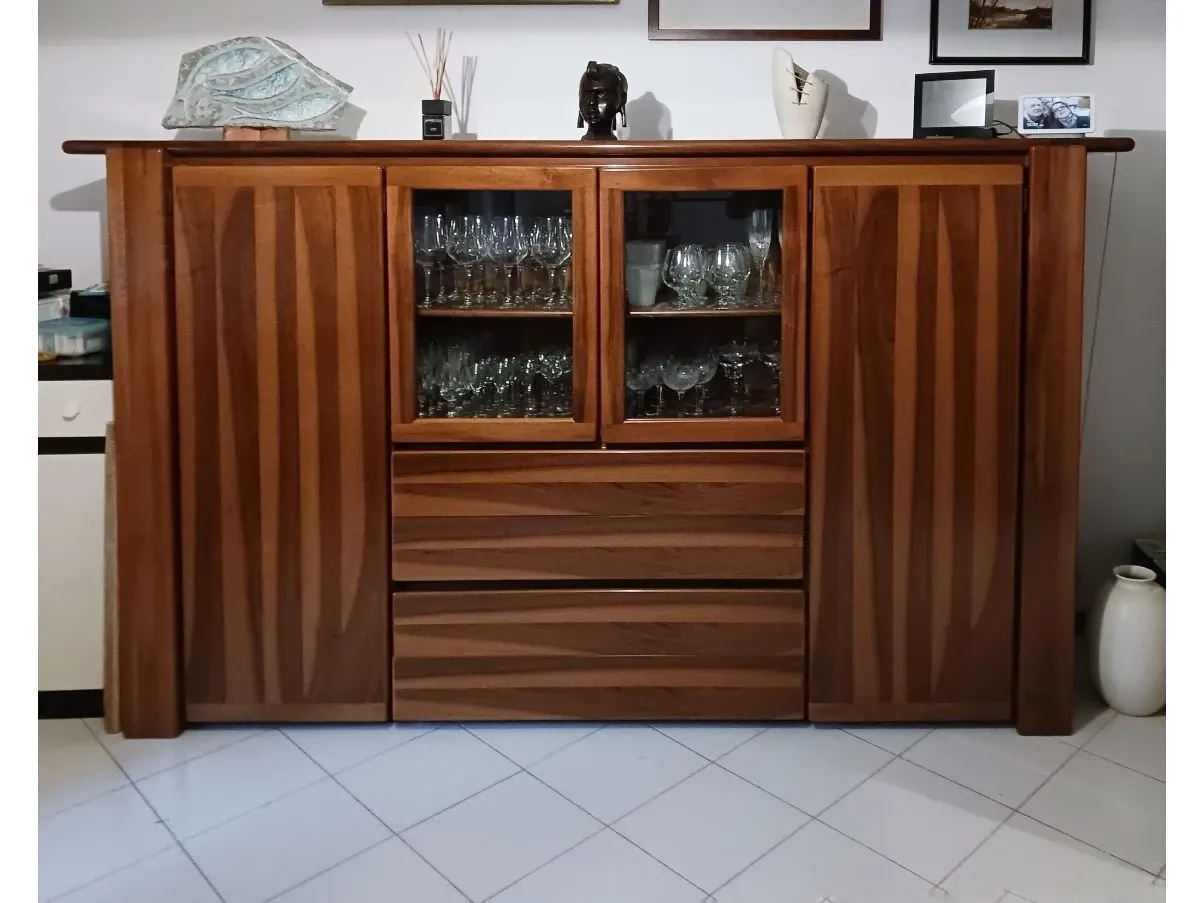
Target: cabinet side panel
(915,418)
(1050,475)
(144,416)
(284,437)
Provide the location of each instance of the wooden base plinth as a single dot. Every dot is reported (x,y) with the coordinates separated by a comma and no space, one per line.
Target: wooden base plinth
(243,133)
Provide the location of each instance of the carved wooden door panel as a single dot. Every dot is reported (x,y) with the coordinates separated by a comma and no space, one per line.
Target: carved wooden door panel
(283,418)
(915,393)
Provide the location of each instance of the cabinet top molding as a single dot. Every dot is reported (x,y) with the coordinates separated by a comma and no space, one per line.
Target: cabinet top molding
(821,147)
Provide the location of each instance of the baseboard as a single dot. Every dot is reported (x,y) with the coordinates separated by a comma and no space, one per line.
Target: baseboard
(70,704)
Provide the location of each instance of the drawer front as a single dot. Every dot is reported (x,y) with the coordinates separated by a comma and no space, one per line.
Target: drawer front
(590,515)
(599,654)
(71,408)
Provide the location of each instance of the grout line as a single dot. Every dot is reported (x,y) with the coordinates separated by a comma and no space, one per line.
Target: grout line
(1107,716)
(1121,765)
(370,758)
(259,732)
(716,891)
(708,758)
(368,809)
(541,758)
(539,868)
(431,866)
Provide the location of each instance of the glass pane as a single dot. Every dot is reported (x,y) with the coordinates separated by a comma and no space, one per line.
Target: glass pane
(494,302)
(702,276)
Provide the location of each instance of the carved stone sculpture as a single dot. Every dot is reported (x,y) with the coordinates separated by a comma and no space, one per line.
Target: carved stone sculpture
(799,97)
(601,98)
(254,82)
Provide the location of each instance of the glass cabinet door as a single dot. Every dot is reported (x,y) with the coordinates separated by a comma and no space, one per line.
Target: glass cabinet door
(703,303)
(493,303)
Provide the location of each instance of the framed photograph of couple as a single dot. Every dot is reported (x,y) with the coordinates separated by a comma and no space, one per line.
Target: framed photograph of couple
(1010,32)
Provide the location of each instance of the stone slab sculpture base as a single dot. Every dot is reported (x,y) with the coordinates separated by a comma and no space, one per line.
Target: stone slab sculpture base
(245,133)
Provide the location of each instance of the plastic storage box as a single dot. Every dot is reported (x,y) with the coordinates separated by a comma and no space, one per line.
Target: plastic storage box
(73,337)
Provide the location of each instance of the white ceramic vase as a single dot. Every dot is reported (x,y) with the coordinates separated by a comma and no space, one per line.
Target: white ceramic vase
(799,97)
(1126,642)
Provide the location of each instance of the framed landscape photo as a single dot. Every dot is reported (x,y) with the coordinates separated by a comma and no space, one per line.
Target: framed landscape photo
(765,20)
(1010,32)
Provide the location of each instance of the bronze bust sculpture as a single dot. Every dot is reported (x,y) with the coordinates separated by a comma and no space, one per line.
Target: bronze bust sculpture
(601,98)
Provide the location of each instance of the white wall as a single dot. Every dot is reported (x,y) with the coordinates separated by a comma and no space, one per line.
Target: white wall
(107,70)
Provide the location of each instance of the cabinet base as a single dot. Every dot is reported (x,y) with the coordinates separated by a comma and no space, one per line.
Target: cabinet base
(55,704)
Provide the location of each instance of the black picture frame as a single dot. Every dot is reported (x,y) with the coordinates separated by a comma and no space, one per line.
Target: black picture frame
(872,33)
(935,58)
(986,130)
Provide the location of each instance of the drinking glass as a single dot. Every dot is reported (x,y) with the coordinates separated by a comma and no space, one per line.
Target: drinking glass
(727,269)
(639,380)
(760,240)
(466,246)
(564,227)
(554,365)
(428,245)
(733,358)
(684,271)
(551,248)
(680,375)
(708,365)
(771,357)
(507,247)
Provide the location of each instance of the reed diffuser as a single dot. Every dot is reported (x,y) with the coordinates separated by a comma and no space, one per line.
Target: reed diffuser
(436,112)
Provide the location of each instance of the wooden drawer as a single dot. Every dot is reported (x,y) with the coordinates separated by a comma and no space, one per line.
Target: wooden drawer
(590,515)
(598,654)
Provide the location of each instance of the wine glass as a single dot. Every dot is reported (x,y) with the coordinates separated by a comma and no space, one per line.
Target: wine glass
(760,240)
(771,357)
(684,272)
(551,247)
(680,375)
(428,245)
(733,358)
(507,247)
(708,365)
(554,365)
(727,269)
(639,379)
(466,246)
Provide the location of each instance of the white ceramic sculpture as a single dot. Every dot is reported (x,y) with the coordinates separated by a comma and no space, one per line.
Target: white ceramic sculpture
(1126,642)
(799,97)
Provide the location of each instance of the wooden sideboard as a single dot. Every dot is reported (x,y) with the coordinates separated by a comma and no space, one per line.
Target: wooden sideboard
(347,496)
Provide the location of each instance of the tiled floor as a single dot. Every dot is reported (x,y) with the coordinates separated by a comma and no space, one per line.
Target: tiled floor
(605,814)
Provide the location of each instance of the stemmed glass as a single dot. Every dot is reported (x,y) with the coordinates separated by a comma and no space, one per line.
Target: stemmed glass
(639,380)
(771,357)
(684,271)
(466,247)
(734,357)
(680,375)
(550,248)
(727,269)
(760,240)
(507,247)
(428,246)
(564,226)
(708,365)
(554,365)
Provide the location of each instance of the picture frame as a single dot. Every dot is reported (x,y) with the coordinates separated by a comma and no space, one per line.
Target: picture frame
(1065,113)
(943,99)
(1010,32)
(764,20)
(464,2)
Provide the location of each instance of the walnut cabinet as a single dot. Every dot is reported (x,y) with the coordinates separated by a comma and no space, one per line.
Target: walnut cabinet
(685,430)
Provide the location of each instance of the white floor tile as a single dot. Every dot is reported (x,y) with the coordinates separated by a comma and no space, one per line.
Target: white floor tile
(426,776)
(995,761)
(526,744)
(1038,863)
(711,826)
(710,740)
(818,863)
(337,747)
(143,758)
(89,841)
(62,732)
(605,869)
(387,873)
(892,738)
(620,767)
(1091,715)
(215,788)
(285,843)
(919,820)
(1108,806)
(169,875)
(809,767)
(496,837)
(72,774)
(1137,743)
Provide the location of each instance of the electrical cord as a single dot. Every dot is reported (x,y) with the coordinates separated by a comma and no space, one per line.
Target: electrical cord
(1011,129)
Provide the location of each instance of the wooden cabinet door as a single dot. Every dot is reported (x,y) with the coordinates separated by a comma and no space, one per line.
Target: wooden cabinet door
(283,419)
(915,324)
(456,356)
(750,345)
